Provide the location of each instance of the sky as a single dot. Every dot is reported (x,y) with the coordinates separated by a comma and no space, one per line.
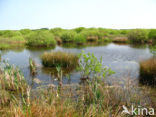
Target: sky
(116,14)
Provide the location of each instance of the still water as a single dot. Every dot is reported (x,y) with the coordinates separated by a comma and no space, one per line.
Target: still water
(123,59)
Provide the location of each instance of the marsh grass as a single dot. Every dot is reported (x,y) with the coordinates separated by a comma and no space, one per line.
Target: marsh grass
(138,36)
(11,79)
(120,40)
(63,59)
(32,66)
(80,39)
(148,71)
(72,100)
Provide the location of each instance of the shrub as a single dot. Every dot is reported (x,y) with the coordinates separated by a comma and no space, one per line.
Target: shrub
(17,38)
(80,39)
(9,33)
(57,31)
(40,38)
(148,71)
(68,36)
(79,29)
(152,34)
(25,31)
(138,35)
(62,59)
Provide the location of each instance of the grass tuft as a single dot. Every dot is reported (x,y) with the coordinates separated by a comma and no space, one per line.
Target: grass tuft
(54,59)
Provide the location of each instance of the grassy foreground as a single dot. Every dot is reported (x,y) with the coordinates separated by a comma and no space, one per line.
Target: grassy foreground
(92,98)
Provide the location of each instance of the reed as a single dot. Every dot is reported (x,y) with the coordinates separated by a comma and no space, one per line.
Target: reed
(63,59)
(32,66)
(120,40)
(148,71)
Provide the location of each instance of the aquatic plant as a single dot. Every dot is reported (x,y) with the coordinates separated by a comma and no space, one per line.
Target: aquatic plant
(32,66)
(73,100)
(148,71)
(40,38)
(62,59)
(90,66)
(11,78)
(94,72)
(138,36)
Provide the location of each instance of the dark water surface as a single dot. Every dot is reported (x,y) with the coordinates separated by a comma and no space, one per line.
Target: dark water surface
(123,59)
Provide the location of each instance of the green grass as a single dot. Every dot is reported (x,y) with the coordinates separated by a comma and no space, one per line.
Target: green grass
(138,36)
(40,39)
(68,36)
(54,59)
(80,39)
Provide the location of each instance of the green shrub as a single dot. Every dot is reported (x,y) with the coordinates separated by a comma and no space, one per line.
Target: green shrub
(40,38)
(62,59)
(152,34)
(17,38)
(79,29)
(68,36)
(25,31)
(138,36)
(80,39)
(57,31)
(9,33)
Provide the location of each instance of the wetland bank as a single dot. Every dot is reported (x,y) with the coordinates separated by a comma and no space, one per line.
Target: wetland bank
(82,71)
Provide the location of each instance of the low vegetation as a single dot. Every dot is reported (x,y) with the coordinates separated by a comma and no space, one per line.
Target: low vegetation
(48,37)
(95,98)
(40,39)
(54,59)
(68,36)
(80,39)
(148,71)
(138,36)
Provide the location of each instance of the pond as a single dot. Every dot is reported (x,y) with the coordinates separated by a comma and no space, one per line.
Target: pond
(123,59)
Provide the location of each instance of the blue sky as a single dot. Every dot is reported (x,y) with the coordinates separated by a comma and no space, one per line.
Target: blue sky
(117,14)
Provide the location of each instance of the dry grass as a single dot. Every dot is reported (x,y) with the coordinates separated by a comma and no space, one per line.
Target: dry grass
(120,40)
(63,59)
(58,40)
(92,38)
